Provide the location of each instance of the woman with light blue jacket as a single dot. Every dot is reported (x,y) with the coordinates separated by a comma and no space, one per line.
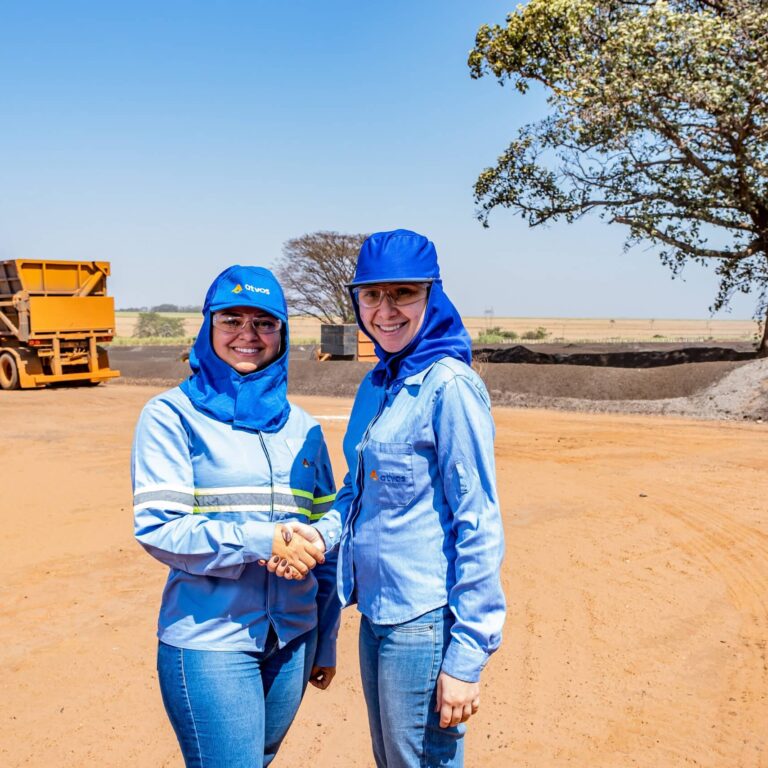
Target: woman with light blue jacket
(417,522)
(221,466)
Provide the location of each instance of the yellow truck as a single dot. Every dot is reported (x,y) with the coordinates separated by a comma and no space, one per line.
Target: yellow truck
(53,314)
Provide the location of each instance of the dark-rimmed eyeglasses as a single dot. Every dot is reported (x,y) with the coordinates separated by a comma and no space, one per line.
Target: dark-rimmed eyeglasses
(235,323)
(371,296)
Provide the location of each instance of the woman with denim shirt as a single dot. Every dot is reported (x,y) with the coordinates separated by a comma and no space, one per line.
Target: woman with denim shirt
(417,522)
(222,466)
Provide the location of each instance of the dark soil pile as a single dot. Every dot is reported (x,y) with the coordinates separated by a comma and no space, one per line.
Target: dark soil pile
(637,356)
(726,385)
(601,383)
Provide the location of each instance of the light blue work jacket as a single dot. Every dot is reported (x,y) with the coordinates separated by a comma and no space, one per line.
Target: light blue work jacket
(206,500)
(418,521)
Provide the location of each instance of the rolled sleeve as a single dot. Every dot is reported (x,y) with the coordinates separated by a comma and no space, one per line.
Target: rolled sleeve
(464,431)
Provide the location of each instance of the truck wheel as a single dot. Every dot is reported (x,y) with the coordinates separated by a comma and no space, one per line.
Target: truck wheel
(9,372)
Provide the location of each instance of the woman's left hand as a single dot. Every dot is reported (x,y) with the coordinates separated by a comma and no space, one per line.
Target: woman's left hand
(321,677)
(457,700)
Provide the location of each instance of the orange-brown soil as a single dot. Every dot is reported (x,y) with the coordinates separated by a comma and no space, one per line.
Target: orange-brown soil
(636,574)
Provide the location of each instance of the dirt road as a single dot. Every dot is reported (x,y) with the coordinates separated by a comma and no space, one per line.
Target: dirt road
(636,574)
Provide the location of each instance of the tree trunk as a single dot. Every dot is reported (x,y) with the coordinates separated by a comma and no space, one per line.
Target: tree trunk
(762,347)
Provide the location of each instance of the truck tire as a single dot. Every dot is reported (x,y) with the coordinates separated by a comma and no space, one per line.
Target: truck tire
(9,371)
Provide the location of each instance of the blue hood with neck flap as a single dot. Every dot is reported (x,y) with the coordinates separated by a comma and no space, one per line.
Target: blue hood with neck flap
(402,256)
(255,401)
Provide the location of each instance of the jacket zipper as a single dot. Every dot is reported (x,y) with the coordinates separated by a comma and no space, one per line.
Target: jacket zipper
(271,516)
(271,478)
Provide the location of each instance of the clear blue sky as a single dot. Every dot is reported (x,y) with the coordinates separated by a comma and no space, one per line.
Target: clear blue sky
(176,137)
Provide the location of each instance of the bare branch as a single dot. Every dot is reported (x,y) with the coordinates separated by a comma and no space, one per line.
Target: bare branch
(314,270)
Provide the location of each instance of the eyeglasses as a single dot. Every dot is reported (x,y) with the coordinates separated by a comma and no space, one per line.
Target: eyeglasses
(371,296)
(236,323)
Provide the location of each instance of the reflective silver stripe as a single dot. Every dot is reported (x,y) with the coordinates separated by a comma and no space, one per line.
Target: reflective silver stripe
(250,508)
(166,506)
(176,497)
(213,509)
(220,501)
(223,500)
(297,501)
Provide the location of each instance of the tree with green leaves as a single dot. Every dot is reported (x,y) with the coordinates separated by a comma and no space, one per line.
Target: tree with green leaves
(658,121)
(154,324)
(314,270)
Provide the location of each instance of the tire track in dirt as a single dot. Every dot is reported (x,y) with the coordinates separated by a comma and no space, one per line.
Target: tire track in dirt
(737,553)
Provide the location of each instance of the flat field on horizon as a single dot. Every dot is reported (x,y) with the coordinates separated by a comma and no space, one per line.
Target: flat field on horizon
(570,329)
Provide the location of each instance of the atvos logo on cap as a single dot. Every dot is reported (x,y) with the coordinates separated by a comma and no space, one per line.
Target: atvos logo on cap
(252,288)
(256,289)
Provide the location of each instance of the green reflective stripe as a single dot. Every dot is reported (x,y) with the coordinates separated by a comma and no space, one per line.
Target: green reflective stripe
(317,515)
(314,499)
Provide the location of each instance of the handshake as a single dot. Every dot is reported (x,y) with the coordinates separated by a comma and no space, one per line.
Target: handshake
(296,549)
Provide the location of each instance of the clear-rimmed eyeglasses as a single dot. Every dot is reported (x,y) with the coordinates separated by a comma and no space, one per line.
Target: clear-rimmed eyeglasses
(371,296)
(230,323)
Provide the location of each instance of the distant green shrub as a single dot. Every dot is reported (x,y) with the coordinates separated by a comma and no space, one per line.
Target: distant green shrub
(537,334)
(496,335)
(152,341)
(154,324)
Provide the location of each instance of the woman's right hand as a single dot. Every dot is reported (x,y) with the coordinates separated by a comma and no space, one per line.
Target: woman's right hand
(309,536)
(294,556)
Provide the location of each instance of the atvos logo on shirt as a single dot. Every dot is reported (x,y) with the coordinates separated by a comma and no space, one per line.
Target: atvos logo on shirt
(387,477)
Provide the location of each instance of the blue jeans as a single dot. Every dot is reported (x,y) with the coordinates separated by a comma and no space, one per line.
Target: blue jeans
(232,709)
(399,665)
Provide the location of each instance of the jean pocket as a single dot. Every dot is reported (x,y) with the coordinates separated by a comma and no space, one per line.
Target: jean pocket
(420,624)
(389,474)
(410,628)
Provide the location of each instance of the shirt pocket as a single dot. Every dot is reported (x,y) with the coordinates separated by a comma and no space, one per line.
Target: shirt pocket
(389,474)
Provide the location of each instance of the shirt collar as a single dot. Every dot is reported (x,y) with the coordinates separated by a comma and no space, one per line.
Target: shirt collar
(418,378)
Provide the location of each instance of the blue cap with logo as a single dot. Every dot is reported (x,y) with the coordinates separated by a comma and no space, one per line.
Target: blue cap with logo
(240,286)
(255,401)
(399,256)
(402,256)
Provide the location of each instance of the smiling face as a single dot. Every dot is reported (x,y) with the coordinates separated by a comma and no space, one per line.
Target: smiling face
(245,350)
(393,326)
